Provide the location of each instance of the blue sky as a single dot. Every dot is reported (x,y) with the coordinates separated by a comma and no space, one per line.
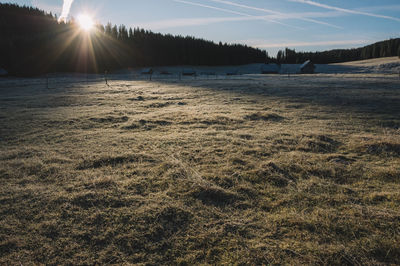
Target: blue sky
(306,25)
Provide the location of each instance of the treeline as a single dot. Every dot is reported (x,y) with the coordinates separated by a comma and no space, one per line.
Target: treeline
(380,49)
(33,42)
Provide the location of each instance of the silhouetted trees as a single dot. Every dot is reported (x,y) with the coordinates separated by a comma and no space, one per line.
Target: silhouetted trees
(380,49)
(33,42)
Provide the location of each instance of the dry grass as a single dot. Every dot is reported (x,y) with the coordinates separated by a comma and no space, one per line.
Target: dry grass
(372,62)
(259,170)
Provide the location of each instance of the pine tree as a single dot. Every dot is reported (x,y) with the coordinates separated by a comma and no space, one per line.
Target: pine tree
(114,32)
(30,42)
(108,29)
(279,56)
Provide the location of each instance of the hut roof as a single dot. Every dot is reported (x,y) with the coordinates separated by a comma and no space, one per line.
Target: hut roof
(306,63)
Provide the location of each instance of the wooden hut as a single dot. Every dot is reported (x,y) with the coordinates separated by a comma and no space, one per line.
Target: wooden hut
(307,68)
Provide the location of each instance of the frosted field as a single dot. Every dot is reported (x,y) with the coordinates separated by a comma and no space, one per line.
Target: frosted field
(252,169)
(387,65)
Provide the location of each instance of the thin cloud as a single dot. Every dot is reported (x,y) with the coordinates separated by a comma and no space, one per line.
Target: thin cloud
(278,15)
(266,44)
(350,11)
(306,15)
(184,22)
(379,8)
(234,12)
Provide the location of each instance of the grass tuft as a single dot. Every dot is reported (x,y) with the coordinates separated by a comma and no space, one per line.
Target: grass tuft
(246,171)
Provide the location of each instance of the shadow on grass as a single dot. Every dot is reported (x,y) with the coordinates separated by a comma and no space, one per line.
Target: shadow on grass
(362,96)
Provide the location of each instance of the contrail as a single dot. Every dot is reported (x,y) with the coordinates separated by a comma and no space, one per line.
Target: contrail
(278,14)
(350,11)
(65,10)
(235,12)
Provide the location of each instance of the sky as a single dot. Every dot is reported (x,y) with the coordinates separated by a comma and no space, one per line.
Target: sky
(304,25)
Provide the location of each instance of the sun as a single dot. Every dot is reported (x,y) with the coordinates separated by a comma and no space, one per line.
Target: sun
(85,22)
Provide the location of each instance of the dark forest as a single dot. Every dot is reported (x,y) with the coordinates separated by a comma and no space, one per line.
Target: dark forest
(380,49)
(33,42)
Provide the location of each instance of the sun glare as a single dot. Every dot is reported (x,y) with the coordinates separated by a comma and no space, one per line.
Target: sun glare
(85,22)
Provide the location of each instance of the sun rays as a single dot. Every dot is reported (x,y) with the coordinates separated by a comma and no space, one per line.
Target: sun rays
(89,42)
(85,22)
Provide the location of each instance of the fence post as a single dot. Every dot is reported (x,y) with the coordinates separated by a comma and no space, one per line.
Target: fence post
(105,77)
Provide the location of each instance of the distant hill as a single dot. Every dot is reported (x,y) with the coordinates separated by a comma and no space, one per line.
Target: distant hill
(386,48)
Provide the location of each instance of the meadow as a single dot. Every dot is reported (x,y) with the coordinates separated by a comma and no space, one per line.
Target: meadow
(248,170)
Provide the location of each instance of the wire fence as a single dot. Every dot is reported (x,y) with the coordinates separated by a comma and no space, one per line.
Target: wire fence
(52,80)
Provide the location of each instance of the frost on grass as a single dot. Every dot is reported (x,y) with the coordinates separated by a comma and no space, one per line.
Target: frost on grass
(255,170)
